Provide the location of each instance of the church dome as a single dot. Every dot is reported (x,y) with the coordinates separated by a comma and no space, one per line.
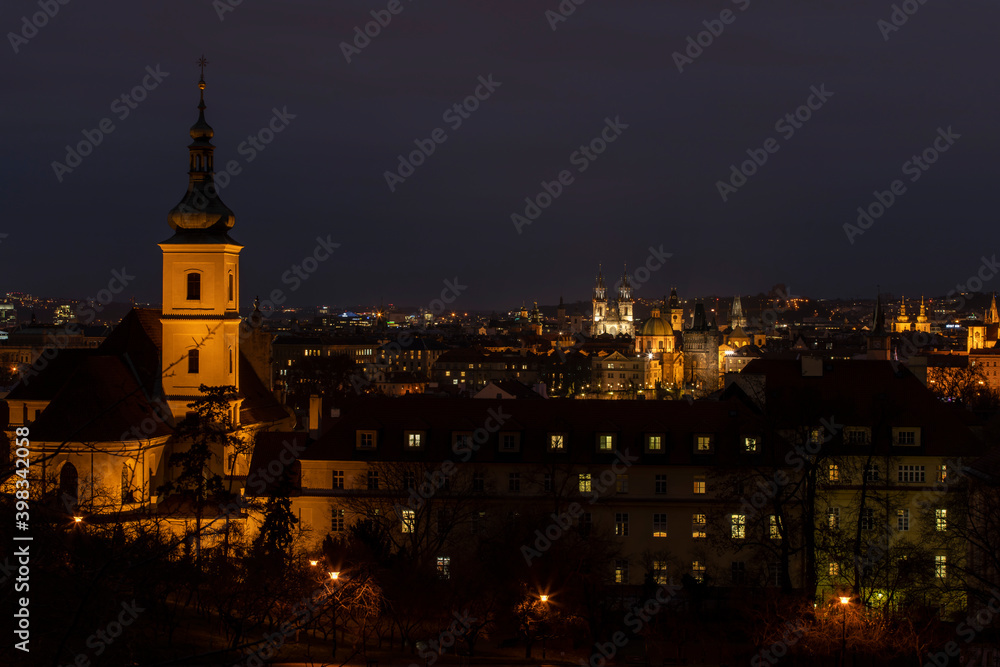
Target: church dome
(656,326)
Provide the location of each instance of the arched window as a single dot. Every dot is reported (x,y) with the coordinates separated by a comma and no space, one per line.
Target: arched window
(69,487)
(192,361)
(193,286)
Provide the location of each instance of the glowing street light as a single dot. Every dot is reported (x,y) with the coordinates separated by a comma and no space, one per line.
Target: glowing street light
(844,600)
(314,563)
(78,519)
(334,575)
(543,598)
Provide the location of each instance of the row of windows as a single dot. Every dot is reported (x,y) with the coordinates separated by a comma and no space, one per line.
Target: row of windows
(867,519)
(904,473)
(606,442)
(940,567)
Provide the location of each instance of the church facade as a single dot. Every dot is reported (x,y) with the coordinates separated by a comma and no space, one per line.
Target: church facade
(612,317)
(102,421)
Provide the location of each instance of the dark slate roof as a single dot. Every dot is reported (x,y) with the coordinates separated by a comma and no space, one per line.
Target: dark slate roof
(259,404)
(44,385)
(580,420)
(876,394)
(101,402)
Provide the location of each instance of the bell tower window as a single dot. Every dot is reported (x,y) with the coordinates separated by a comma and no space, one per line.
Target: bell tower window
(193,286)
(192,361)
(231,287)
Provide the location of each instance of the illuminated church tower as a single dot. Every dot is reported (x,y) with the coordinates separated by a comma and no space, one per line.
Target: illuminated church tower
(200,283)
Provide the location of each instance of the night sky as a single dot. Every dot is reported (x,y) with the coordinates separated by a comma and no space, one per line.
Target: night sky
(323,175)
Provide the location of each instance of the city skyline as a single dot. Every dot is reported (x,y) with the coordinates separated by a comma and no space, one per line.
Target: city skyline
(533,90)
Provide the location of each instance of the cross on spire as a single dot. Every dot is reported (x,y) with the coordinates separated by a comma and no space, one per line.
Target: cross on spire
(202,63)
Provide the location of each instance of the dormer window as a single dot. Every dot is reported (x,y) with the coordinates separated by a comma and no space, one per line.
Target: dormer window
(194,286)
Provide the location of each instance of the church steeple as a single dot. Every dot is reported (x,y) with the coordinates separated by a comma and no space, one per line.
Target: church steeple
(599,290)
(201,209)
(878,339)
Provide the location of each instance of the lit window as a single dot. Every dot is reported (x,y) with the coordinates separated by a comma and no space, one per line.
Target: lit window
(409,519)
(750,444)
(816,436)
(621,571)
(833,518)
(414,440)
(192,361)
(514,481)
(773,529)
(698,570)
(338,479)
(659,525)
(338,521)
(585,482)
(941,520)
(940,567)
(621,524)
(654,443)
(903,519)
(910,473)
(699,484)
(703,443)
(373,480)
(660,572)
(738,526)
(942,473)
(366,439)
(660,484)
(605,442)
(833,472)
(444,567)
(557,441)
(193,286)
(698,523)
(621,483)
(834,569)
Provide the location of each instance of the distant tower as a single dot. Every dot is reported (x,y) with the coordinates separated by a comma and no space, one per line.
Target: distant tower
(561,315)
(736,318)
(676,311)
(600,303)
(201,282)
(985,334)
(625,299)
(923,323)
(701,354)
(878,338)
(902,322)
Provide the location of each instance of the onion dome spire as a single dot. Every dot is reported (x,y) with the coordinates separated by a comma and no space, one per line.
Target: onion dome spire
(201,209)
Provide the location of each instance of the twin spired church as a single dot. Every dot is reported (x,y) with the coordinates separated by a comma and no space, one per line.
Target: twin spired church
(101,421)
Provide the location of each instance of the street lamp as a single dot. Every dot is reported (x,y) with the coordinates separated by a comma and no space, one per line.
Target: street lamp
(844,601)
(544,599)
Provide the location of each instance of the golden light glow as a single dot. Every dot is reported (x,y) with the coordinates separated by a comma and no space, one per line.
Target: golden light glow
(314,563)
(543,598)
(335,575)
(844,599)
(78,519)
